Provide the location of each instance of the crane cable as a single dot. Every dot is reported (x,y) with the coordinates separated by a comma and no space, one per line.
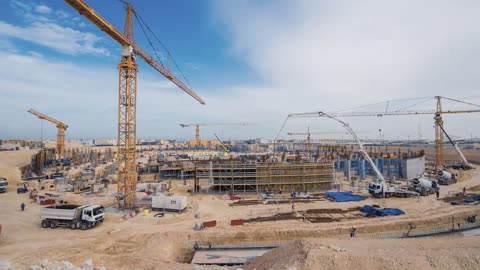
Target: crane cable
(141,21)
(393,100)
(148,39)
(459,101)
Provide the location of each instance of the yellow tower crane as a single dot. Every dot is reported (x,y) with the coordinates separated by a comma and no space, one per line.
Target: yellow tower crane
(61,128)
(197,128)
(437,113)
(127,96)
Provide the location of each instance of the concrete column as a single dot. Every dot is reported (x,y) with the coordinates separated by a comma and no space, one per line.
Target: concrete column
(347,170)
(362,169)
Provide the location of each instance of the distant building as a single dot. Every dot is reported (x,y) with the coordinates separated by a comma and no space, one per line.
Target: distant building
(10,147)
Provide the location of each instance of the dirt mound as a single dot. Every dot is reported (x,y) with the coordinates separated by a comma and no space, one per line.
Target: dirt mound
(289,256)
(432,253)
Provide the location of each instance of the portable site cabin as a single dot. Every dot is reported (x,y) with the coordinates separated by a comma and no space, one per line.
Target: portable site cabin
(170,203)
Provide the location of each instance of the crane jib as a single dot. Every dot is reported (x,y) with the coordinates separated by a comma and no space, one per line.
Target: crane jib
(89,13)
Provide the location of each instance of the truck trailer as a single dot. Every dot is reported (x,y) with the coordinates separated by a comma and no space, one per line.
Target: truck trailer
(72,216)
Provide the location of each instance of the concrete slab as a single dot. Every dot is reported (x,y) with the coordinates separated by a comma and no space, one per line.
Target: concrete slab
(230,256)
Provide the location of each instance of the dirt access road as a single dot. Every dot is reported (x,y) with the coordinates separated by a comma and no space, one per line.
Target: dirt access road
(145,242)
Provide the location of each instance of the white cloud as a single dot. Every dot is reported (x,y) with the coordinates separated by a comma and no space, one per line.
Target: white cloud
(63,39)
(309,55)
(43,9)
(85,97)
(51,28)
(6,45)
(329,55)
(20,6)
(62,14)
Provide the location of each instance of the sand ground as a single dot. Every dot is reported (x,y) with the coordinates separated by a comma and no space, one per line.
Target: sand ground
(146,242)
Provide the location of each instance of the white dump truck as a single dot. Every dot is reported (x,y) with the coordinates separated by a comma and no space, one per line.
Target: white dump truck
(169,203)
(3,185)
(72,216)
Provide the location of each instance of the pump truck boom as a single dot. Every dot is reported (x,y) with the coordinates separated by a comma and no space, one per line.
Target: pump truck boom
(378,188)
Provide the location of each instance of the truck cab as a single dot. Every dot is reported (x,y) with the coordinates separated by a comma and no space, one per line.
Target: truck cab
(93,214)
(374,188)
(3,185)
(377,190)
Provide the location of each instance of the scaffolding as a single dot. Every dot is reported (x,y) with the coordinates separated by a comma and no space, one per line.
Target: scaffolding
(234,177)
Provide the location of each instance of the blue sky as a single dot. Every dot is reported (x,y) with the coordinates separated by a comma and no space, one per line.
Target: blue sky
(252,61)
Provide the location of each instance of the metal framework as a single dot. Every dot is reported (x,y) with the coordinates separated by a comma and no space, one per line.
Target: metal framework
(61,128)
(126,147)
(244,177)
(438,112)
(439,153)
(127,96)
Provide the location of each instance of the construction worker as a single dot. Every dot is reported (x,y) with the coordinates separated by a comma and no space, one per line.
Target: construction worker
(22,206)
(438,194)
(464,190)
(353,231)
(293,206)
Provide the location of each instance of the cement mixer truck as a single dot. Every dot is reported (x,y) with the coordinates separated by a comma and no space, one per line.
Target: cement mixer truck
(446,178)
(423,186)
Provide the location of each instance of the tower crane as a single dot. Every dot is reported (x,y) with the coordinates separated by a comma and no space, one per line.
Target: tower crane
(127,96)
(437,113)
(61,128)
(197,128)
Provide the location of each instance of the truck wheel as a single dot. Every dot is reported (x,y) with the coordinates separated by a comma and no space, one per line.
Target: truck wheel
(73,226)
(45,224)
(83,226)
(53,225)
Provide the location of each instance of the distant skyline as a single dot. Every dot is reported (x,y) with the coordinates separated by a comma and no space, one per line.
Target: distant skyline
(251,61)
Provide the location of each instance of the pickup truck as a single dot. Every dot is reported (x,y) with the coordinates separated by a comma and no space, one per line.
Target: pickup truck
(72,216)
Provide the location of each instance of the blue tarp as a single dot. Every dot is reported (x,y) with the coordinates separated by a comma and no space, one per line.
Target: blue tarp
(469,200)
(367,209)
(344,196)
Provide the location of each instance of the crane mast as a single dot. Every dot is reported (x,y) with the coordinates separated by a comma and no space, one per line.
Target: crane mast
(127,97)
(439,153)
(61,129)
(438,112)
(127,115)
